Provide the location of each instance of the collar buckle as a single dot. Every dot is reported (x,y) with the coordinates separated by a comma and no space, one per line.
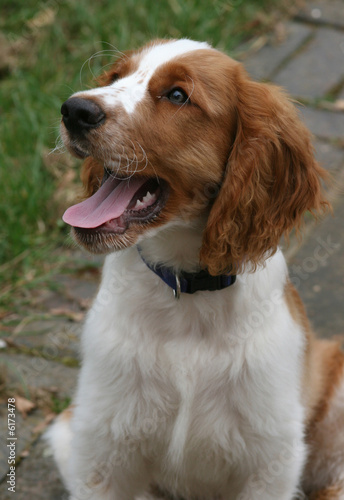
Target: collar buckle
(177,290)
(190,283)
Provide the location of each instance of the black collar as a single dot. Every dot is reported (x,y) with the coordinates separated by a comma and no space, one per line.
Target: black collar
(184,282)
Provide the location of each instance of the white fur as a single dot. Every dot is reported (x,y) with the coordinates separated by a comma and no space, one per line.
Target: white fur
(131,90)
(200,395)
(60,437)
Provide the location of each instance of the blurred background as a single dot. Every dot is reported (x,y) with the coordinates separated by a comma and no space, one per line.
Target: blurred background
(50,49)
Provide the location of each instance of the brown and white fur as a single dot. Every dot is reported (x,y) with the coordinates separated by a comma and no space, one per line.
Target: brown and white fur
(220,394)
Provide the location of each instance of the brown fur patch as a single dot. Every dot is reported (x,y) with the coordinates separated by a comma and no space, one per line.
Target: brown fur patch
(327,362)
(296,307)
(323,374)
(331,493)
(323,367)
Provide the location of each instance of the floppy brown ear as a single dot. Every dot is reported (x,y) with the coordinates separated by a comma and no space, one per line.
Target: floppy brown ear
(271,180)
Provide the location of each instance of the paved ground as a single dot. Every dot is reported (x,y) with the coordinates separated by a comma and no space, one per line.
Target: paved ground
(306,56)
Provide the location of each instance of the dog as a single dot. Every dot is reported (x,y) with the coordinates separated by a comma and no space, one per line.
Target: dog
(201,377)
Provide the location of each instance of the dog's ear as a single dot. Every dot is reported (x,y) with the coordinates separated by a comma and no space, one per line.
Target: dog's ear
(271,180)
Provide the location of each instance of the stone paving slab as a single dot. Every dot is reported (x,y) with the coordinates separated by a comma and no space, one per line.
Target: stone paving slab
(37,478)
(330,157)
(264,63)
(33,372)
(55,339)
(323,12)
(76,289)
(51,326)
(328,125)
(25,373)
(317,270)
(24,434)
(317,69)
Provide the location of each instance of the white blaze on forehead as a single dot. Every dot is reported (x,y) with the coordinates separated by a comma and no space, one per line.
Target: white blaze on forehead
(131,90)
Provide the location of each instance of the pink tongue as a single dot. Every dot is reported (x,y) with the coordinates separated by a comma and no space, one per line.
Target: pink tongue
(109,202)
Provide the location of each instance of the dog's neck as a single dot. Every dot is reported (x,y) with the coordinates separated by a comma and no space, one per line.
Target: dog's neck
(176,246)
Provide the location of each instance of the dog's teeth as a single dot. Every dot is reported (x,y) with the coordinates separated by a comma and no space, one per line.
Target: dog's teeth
(149,197)
(146,201)
(139,204)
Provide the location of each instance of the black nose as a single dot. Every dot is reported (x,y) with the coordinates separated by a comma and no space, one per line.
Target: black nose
(80,115)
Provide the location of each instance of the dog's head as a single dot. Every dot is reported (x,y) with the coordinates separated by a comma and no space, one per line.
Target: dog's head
(177,130)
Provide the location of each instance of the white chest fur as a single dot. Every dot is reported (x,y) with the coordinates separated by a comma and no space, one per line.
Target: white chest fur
(206,387)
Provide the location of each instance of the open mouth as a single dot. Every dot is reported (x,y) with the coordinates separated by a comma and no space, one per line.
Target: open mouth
(118,203)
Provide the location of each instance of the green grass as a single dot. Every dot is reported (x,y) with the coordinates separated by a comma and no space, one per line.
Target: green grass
(45,47)
(58,405)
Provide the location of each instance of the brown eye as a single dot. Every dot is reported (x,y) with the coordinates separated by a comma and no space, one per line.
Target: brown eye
(177,96)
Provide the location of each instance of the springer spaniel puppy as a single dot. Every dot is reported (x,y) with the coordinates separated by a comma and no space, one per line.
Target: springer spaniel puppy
(200,371)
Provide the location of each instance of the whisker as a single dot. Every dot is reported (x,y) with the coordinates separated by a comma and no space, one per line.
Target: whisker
(100,53)
(115,50)
(148,162)
(59,147)
(145,158)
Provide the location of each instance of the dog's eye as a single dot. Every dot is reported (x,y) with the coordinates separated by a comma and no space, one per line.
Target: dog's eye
(177,96)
